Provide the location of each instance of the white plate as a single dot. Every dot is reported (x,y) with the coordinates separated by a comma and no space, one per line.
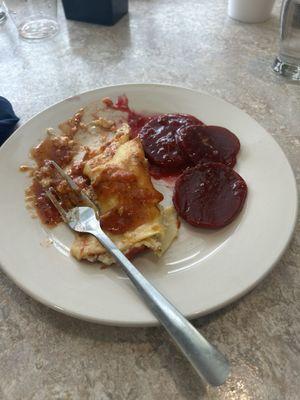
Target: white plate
(201,272)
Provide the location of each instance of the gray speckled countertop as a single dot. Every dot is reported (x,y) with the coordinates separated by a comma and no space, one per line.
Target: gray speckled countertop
(46,355)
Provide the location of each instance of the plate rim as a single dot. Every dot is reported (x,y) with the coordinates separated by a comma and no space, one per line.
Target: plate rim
(192,315)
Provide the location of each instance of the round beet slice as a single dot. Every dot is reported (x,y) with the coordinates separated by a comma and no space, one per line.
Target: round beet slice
(209,143)
(209,195)
(158,138)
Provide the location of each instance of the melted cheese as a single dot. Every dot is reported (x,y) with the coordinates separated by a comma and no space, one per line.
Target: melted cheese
(125,194)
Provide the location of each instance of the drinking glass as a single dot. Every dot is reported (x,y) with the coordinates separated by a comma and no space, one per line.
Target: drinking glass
(287,63)
(250,11)
(3,15)
(34,19)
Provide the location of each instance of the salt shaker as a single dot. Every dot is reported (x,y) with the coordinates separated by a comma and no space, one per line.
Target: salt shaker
(287,63)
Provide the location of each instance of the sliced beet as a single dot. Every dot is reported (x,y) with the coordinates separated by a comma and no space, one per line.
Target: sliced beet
(158,138)
(209,143)
(209,195)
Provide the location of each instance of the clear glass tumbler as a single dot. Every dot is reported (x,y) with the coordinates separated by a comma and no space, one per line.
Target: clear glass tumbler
(287,63)
(34,19)
(3,14)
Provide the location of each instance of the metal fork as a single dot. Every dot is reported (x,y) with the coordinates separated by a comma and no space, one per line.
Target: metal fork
(208,362)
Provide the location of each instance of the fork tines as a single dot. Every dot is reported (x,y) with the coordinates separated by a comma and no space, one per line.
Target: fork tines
(52,196)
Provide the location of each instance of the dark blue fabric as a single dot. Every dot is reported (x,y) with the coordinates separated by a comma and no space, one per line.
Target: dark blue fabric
(8,119)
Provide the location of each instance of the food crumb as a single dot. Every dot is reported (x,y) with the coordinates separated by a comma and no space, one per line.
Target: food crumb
(102,122)
(107,102)
(50,131)
(83,126)
(46,242)
(24,168)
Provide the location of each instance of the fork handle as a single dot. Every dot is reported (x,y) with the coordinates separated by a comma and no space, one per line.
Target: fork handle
(208,362)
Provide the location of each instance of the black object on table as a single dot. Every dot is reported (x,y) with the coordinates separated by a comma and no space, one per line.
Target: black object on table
(8,120)
(103,12)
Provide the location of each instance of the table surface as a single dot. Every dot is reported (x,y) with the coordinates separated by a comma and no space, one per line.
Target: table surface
(192,43)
